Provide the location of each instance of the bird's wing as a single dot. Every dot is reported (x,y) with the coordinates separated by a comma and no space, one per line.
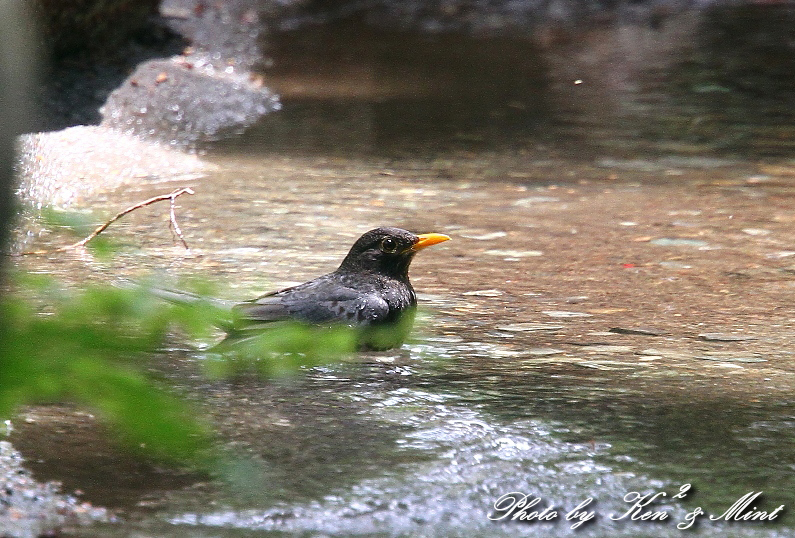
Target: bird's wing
(316,303)
(266,308)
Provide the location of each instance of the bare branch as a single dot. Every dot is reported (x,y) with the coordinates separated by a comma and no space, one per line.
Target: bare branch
(173,215)
(172,196)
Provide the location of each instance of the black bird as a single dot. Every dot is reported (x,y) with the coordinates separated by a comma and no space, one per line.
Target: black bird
(370,290)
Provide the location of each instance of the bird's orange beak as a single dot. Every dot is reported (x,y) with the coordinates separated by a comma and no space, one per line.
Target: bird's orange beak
(427,240)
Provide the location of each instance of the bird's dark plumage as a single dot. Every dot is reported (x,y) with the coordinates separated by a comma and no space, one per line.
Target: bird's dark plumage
(370,288)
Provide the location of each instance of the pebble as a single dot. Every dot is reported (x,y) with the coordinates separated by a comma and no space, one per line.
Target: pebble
(29,508)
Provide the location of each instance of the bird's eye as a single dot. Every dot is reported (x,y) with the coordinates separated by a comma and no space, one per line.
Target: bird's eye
(389,245)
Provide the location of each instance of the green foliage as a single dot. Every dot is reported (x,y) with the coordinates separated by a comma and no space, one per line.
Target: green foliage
(280,350)
(88,349)
(80,225)
(91,347)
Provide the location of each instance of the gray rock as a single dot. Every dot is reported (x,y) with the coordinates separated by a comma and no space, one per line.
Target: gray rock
(185,103)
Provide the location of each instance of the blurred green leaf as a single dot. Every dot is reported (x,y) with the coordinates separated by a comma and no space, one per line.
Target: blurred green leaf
(102,247)
(79,223)
(91,347)
(86,351)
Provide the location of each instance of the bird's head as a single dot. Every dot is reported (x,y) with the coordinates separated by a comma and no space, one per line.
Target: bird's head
(387,251)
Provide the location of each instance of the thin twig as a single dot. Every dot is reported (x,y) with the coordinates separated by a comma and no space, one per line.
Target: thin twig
(173,223)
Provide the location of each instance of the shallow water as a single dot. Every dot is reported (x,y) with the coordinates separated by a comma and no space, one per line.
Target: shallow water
(606,319)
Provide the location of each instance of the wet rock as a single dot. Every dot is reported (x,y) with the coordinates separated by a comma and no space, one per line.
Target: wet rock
(60,168)
(179,93)
(29,509)
(182,102)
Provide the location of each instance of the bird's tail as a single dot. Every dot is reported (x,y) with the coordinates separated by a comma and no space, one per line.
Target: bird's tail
(176,296)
